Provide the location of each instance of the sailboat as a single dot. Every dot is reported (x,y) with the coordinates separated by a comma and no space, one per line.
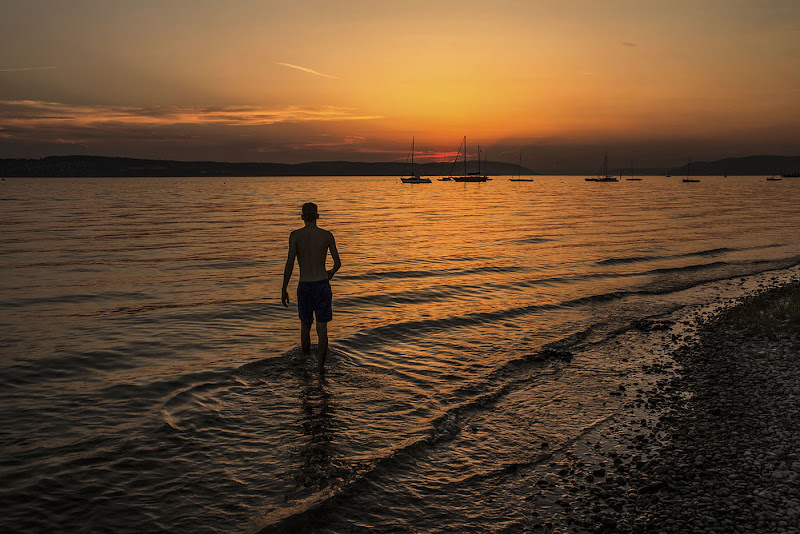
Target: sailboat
(604,176)
(773,179)
(688,167)
(469,176)
(519,177)
(632,179)
(414,178)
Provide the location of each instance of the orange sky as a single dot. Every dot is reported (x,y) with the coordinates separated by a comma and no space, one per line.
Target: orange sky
(296,81)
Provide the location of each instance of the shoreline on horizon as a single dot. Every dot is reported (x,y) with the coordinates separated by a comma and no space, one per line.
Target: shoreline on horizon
(78,166)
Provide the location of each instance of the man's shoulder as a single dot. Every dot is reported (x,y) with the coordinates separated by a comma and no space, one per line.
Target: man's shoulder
(303,230)
(313,233)
(325,232)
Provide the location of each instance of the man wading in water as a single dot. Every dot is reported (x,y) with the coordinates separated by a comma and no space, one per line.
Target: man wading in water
(310,246)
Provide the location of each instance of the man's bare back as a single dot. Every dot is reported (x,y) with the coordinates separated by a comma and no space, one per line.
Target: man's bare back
(311,245)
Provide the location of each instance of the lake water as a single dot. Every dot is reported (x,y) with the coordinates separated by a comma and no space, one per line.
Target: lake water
(151,379)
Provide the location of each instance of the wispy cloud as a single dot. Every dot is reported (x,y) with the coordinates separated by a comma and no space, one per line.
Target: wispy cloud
(26,68)
(629,44)
(332,143)
(306,69)
(35,113)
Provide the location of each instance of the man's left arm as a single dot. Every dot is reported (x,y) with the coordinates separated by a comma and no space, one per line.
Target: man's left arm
(337,263)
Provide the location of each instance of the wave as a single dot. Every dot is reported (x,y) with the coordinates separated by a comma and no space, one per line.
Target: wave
(172,264)
(69,299)
(703,253)
(628,259)
(374,275)
(173,387)
(249,308)
(533,240)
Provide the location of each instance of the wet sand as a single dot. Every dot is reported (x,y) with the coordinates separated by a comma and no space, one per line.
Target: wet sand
(712,446)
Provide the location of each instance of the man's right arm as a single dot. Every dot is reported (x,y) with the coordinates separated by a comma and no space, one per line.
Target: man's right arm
(288,268)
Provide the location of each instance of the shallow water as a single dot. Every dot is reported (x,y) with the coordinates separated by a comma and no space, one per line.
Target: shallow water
(150,375)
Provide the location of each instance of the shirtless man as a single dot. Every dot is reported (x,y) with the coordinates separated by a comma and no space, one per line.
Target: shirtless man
(310,246)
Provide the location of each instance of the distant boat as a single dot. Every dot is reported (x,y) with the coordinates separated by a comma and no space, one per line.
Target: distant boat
(773,179)
(603,176)
(519,177)
(632,179)
(414,179)
(688,168)
(445,179)
(469,176)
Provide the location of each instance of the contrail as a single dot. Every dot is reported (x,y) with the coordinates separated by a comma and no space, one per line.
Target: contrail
(27,68)
(306,69)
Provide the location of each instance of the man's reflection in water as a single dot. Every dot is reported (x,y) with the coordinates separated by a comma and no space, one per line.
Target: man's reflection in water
(316,470)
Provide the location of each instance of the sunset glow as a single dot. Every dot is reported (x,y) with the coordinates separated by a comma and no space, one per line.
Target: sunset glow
(428,266)
(264,81)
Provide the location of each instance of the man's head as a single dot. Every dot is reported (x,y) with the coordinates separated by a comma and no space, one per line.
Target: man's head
(310,212)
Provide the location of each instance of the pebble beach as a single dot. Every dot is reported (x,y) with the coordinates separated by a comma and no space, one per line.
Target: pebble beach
(714,446)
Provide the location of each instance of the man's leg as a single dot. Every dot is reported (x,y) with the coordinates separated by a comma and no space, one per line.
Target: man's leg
(322,345)
(305,337)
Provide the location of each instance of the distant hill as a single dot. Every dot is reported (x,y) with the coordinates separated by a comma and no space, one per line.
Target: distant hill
(750,165)
(100,166)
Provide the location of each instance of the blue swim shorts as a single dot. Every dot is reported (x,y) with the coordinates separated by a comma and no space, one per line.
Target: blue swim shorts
(314,298)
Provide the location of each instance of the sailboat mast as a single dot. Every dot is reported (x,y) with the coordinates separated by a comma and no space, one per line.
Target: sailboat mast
(465,155)
(412,157)
(479,160)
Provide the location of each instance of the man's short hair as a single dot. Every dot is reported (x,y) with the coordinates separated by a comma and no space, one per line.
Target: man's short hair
(310,212)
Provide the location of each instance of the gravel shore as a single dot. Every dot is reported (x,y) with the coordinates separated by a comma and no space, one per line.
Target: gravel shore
(717,448)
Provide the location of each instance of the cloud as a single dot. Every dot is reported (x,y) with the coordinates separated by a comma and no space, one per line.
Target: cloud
(629,44)
(32,128)
(330,143)
(27,68)
(306,69)
(36,113)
